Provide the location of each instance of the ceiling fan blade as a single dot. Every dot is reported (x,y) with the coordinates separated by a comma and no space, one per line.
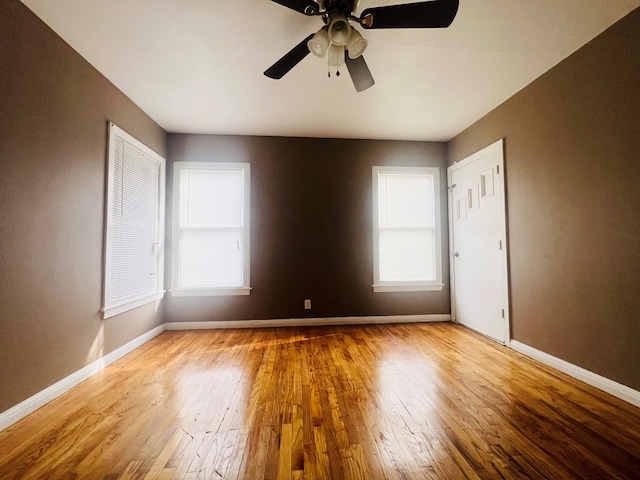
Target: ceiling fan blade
(290,60)
(303,6)
(433,14)
(360,74)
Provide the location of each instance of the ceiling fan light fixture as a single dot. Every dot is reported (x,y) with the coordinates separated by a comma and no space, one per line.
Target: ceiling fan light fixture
(336,55)
(357,44)
(319,43)
(344,44)
(339,30)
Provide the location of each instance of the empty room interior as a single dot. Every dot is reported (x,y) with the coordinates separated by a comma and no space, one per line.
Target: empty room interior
(217,266)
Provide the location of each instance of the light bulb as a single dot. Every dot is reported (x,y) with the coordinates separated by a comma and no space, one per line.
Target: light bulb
(339,30)
(357,45)
(319,43)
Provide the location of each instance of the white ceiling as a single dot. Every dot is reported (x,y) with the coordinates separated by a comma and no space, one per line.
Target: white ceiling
(195,66)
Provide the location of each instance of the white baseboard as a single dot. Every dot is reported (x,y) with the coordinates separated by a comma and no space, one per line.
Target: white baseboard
(31,404)
(307,322)
(616,389)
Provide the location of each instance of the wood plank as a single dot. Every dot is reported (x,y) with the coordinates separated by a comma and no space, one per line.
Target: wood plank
(380,402)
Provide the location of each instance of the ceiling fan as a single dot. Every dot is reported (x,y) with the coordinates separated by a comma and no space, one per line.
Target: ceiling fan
(344,44)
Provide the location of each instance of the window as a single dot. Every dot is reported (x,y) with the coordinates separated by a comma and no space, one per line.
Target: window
(211,228)
(406,229)
(135,224)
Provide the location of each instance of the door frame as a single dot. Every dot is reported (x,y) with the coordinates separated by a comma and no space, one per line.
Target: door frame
(501,191)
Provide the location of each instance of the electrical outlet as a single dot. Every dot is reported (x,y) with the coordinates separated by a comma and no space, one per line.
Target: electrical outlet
(307,304)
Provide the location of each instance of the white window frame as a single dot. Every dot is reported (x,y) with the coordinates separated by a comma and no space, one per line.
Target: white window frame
(408,286)
(112,307)
(176,288)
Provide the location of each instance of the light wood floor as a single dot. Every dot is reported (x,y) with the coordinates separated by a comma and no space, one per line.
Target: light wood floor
(361,402)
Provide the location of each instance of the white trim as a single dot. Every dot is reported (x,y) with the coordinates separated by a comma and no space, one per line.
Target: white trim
(307,322)
(614,388)
(31,404)
(117,310)
(211,292)
(409,287)
(495,146)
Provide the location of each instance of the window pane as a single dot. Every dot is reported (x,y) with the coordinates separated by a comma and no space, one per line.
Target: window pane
(406,255)
(211,258)
(405,200)
(211,198)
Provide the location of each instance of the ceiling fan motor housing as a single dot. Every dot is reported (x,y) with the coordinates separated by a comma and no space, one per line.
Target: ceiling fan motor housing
(345,6)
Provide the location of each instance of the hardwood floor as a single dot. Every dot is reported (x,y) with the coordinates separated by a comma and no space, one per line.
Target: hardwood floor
(363,402)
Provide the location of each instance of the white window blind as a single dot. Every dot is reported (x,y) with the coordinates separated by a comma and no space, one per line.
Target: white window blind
(406,229)
(135,219)
(211,229)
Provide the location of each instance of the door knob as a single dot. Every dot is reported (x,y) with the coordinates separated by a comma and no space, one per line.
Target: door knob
(456,254)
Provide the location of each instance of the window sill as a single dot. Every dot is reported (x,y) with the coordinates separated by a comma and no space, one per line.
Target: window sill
(114,310)
(425,287)
(211,292)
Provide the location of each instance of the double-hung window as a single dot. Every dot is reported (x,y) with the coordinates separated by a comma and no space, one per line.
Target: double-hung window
(210,229)
(134,247)
(406,229)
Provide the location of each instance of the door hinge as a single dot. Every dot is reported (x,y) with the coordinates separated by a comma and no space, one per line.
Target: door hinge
(502,311)
(498,169)
(500,244)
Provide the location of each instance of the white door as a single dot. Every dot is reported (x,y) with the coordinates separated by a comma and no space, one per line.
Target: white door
(479,287)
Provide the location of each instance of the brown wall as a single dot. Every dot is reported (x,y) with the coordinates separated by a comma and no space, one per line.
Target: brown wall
(311,227)
(572,143)
(54,109)
(573,170)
